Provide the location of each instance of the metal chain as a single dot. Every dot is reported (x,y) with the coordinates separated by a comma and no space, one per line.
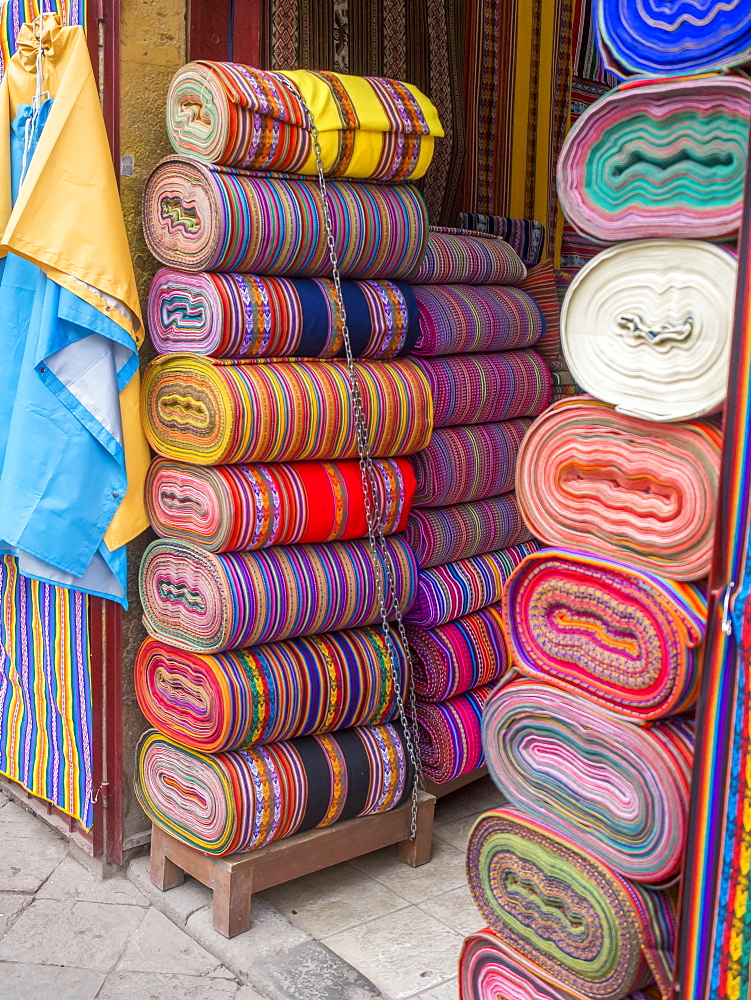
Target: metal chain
(383,564)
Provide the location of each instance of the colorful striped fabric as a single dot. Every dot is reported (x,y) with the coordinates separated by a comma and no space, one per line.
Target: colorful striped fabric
(468,463)
(619,790)
(459,655)
(443,534)
(591,478)
(486,388)
(229,507)
(45,691)
(271,692)
(455,256)
(540,285)
(449,735)
(490,970)
(663,158)
(526,236)
(210,413)
(247,316)
(586,928)
(458,588)
(461,319)
(242,800)
(207,603)
(653,39)
(647,324)
(226,113)
(620,637)
(15,13)
(202,218)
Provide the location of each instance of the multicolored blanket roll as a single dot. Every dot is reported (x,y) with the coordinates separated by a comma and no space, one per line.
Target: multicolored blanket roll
(458,656)
(458,588)
(461,319)
(211,413)
(526,236)
(202,218)
(662,158)
(591,478)
(490,970)
(207,603)
(443,534)
(647,325)
(540,285)
(271,692)
(550,900)
(622,791)
(468,463)
(225,508)
(485,388)
(239,801)
(223,112)
(457,256)
(620,637)
(449,735)
(247,316)
(655,39)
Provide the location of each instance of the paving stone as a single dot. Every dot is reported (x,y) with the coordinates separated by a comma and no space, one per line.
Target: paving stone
(84,935)
(18,822)
(446,870)
(20,981)
(248,993)
(311,972)
(11,904)
(27,860)
(446,991)
(153,986)
(456,909)
(479,795)
(457,832)
(71,881)
(179,903)
(158,945)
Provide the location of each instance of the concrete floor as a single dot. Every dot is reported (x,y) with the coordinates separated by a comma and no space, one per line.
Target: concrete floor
(372,928)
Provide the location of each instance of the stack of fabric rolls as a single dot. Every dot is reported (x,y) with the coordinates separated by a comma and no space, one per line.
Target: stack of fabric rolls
(269,675)
(591,739)
(475,349)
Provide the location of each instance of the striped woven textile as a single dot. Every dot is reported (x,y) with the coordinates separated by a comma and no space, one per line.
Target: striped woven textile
(461,319)
(654,39)
(586,928)
(589,477)
(15,13)
(619,790)
(458,656)
(468,463)
(489,970)
(442,534)
(247,316)
(207,602)
(226,113)
(449,735)
(458,588)
(202,218)
(456,256)
(486,388)
(267,693)
(45,691)
(662,158)
(647,326)
(620,637)
(229,507)
(211,413)
(540,285)
(526,236)
(239,801)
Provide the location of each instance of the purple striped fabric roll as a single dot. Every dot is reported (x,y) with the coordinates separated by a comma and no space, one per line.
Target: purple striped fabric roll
(468,463)
(458,588)
(450,735)
(461,319)
(485,388)
(443,534)
(456,255)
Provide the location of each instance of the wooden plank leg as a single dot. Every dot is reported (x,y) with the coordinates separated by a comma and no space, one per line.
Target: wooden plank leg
(231,902)
(418,852)
(163,872)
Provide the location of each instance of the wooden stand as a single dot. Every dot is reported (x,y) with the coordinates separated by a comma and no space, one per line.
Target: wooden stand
(235,877)
(452,786)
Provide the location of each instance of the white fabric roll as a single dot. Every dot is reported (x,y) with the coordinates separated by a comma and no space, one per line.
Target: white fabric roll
(646,326)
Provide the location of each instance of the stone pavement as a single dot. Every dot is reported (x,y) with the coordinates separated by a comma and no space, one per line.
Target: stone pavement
(373,929)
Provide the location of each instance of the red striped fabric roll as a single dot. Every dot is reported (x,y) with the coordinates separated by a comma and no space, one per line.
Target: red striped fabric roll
(449,734)
(229,507)
(464,257)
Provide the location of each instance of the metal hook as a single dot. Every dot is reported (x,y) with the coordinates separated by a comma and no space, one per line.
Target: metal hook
(727,621)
